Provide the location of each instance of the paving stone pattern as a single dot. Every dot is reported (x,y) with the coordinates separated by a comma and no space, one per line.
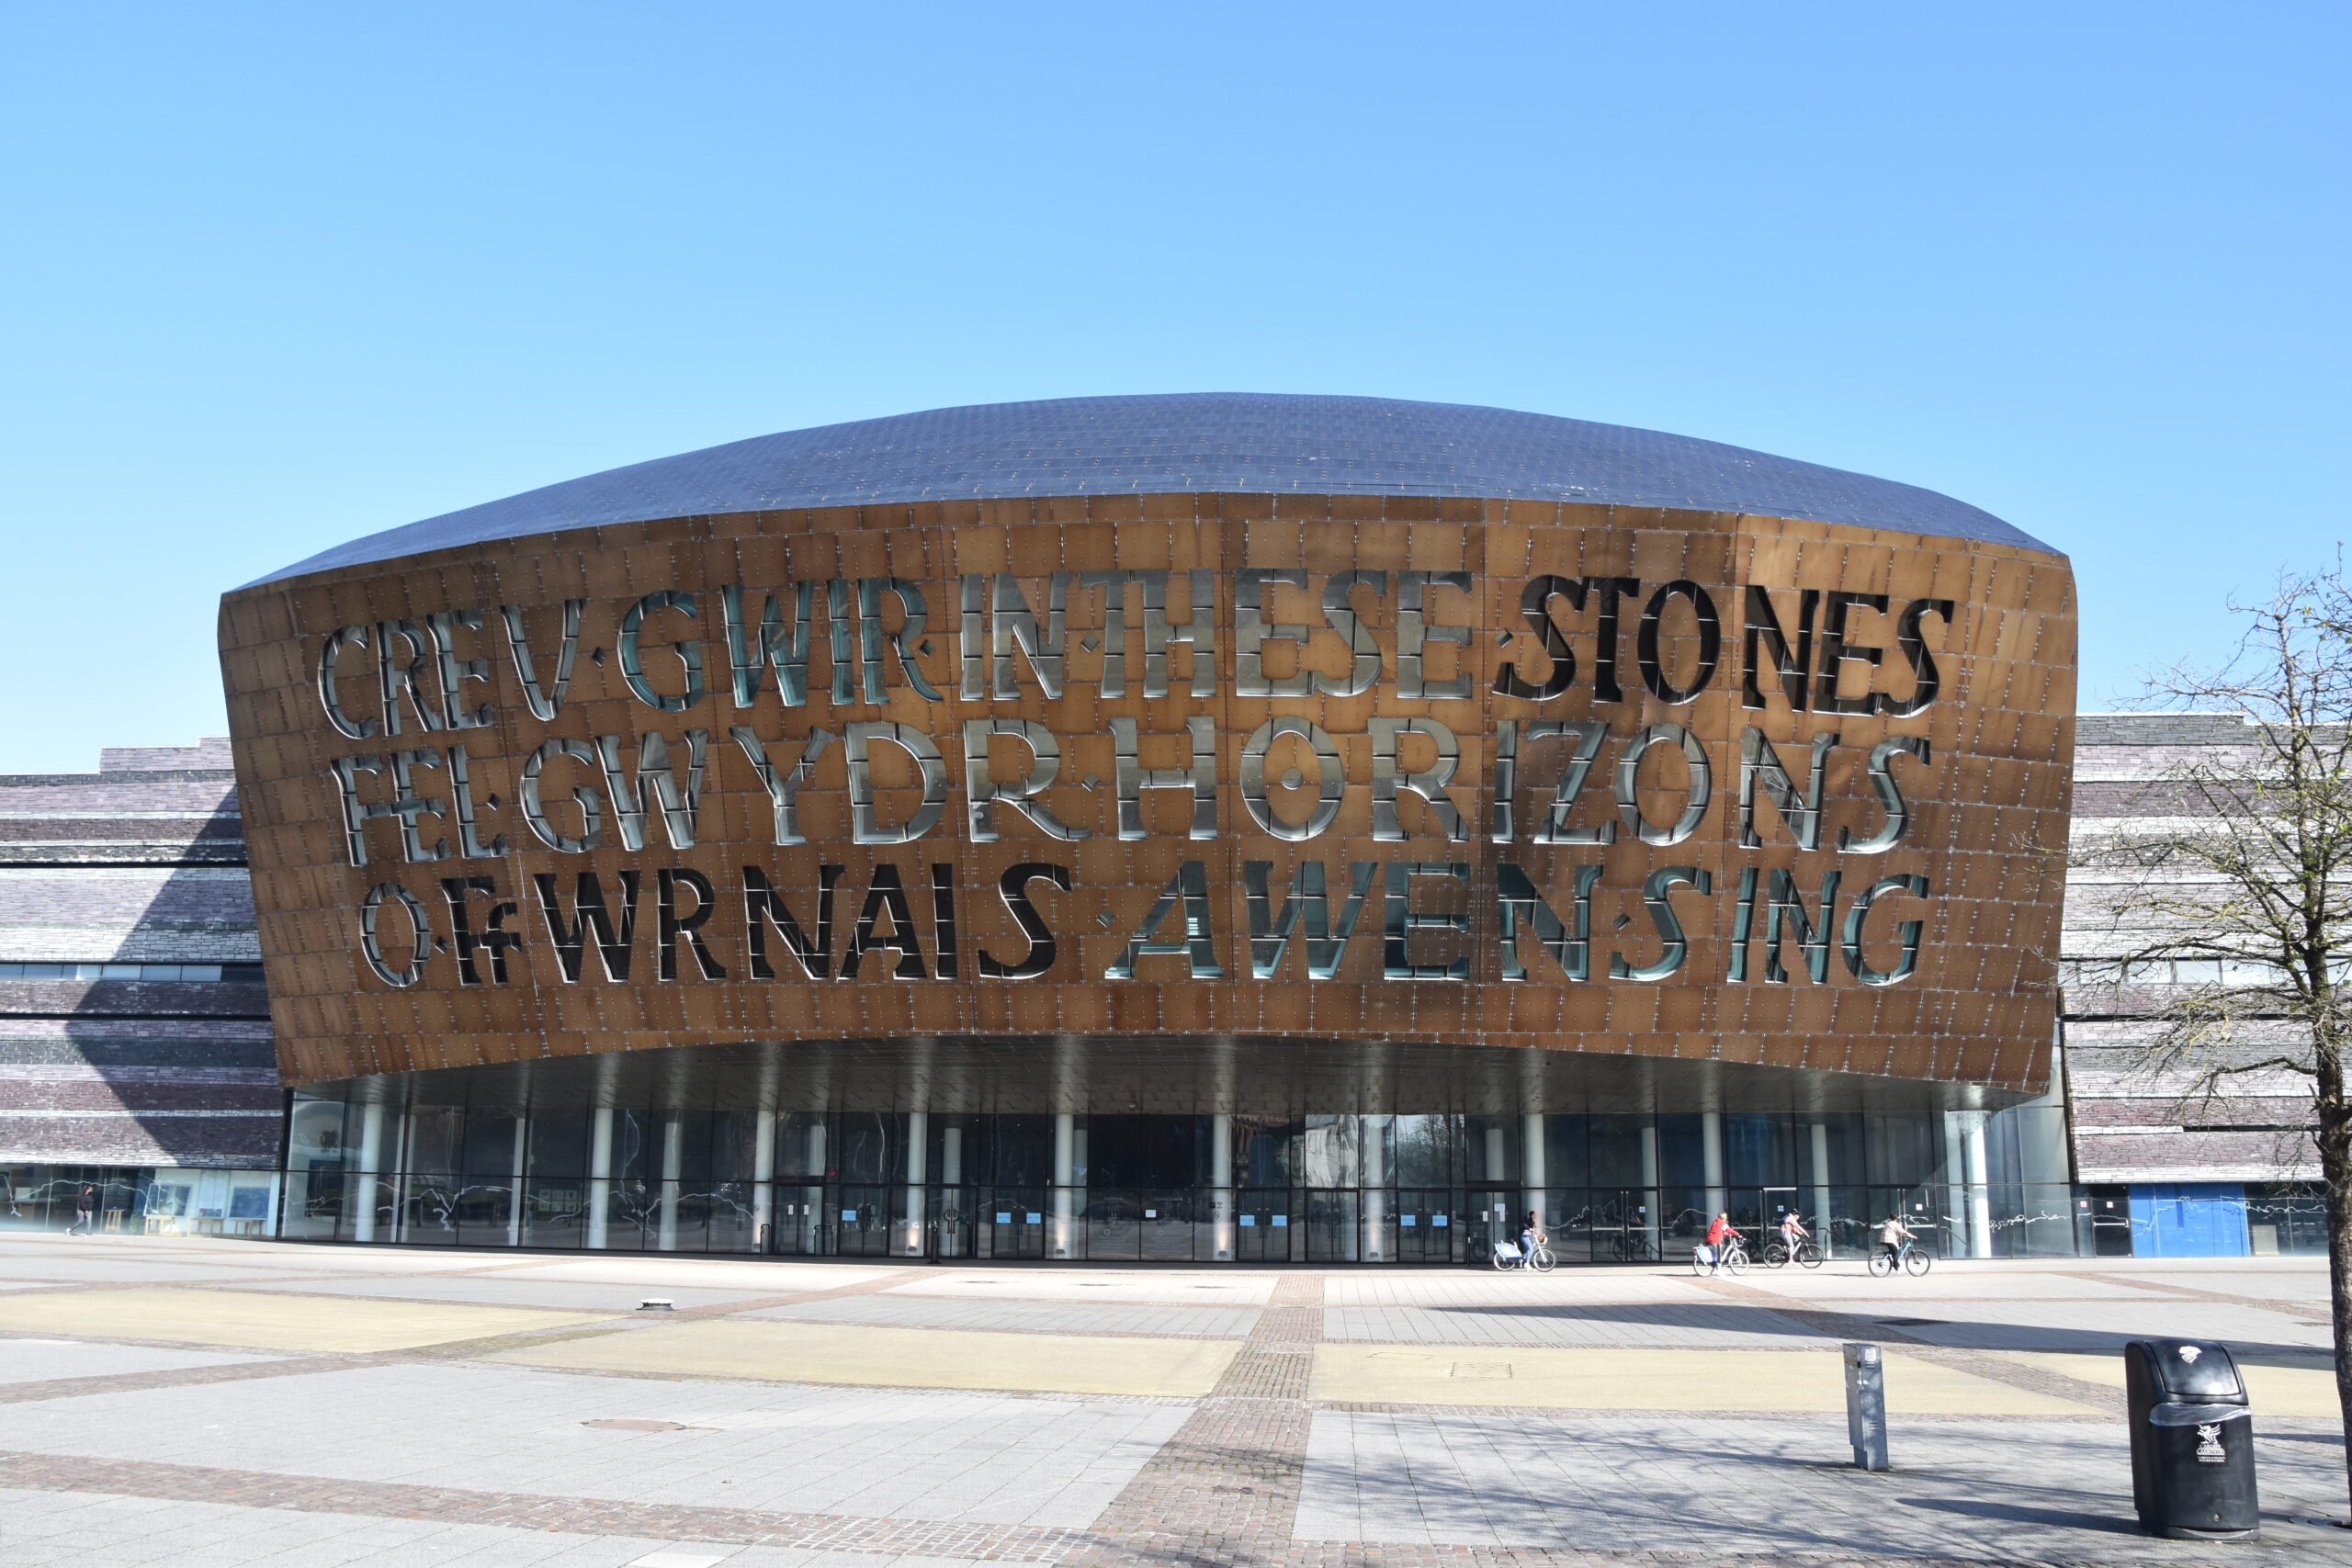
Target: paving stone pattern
(121,1452)
(1702,1324)
(1966,1490)
(1024,1316)
(989,1458)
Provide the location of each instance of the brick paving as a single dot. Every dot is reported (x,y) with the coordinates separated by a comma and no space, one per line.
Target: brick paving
(1018,1316)
(2292,1305)
(578,1515)
(1976,1491)
(1226,1488)
(174,1377)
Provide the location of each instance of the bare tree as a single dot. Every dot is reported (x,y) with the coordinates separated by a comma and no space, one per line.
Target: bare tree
(2243,859)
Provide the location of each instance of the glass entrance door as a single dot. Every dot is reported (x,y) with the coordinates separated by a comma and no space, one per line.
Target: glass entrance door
(1490,1221)
(2110,1211)
(800,1224)
(1333,1234)
(1425,1227)
(1264,1226)
(1016,1222)
(1167,1226)
(1779,1201)
(1114,1224)
(863,1215)
(1623,1227)
(948,1228)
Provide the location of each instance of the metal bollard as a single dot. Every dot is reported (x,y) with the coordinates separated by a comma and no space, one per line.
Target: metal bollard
(1866,1405)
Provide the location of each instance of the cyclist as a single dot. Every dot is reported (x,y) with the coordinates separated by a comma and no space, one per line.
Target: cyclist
(1530,1237)
(1721,1231)
(1896,1237)
(1793,1235)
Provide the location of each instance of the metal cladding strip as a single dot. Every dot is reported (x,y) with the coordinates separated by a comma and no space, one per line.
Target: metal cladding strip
(1234,443)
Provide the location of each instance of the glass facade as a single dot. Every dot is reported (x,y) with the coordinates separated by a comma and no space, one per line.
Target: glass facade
(140,1199)
(1337,1188)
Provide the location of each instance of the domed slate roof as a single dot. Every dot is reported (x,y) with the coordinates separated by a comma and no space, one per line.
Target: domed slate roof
(1245,443)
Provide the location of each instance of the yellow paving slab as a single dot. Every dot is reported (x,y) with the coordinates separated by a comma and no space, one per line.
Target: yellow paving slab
(899,1358)
(261,1320)
(1610,1379)
(2275,1390)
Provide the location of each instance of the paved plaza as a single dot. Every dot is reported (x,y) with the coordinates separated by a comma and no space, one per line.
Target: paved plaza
(217,1403)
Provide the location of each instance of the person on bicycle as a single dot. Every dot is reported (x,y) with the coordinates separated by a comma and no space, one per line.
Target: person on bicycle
(1893,1235)
(1793,1235)
(1717,1234)
(1530,1237)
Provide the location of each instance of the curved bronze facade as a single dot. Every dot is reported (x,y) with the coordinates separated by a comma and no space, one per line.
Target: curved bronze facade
(1204,768)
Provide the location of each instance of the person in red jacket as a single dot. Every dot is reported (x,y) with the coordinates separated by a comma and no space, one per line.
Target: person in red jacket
(1717,1234)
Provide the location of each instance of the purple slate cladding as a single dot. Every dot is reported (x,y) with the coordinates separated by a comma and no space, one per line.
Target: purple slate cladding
(2129,1122)
(213,905)
(212,751)
(142,861)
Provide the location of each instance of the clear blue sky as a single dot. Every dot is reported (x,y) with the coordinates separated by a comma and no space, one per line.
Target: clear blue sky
(276,276)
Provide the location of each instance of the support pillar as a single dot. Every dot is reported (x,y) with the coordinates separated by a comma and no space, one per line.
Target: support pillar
(1374,1178)
(951,1175)
(1819,1221)
(515,1193)
(763,1181)
(1061,1239)
(1711,1148)
(1534,1177)
(673,1152)
(812,1217)
(364,1181)
(1957,1239)
(908,1242)
(1980,1192)
(1652,1222)
(600,1178)
(1221,1205)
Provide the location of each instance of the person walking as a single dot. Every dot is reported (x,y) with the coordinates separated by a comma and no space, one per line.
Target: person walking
(86,1204)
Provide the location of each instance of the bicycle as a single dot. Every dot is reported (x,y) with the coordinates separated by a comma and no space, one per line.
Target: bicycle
(1508,1257)
(1909,1259)
(1733,1255)
(1808,1255)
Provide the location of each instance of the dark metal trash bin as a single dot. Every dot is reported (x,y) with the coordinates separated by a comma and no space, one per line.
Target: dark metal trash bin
(2192,1441)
